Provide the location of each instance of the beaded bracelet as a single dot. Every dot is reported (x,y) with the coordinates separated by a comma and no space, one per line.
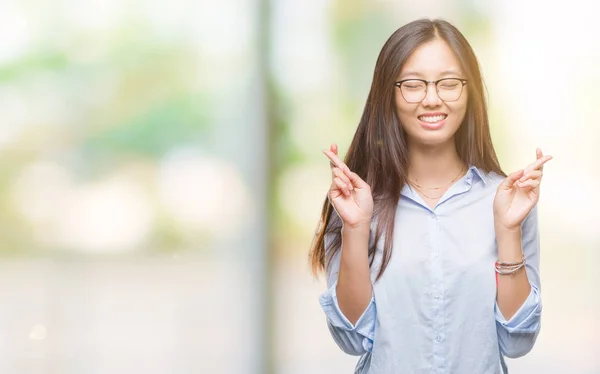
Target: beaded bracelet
(505,268)
(511,263)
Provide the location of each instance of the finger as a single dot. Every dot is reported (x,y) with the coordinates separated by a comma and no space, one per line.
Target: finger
(338,173)
(334,148)
(354,178)
(534,174)
(531,183)
(357,181)
(510,180)
(342,186)
(538,163)
(539,154)
(334,192)
(336,161)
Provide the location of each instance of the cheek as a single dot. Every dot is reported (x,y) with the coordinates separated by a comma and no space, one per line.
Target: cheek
(404,110)
(459,109)
(462,104)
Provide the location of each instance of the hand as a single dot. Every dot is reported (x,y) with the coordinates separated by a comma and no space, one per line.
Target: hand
(349,194)
(518,194)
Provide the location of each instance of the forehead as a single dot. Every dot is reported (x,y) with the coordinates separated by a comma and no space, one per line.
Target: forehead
(431,60)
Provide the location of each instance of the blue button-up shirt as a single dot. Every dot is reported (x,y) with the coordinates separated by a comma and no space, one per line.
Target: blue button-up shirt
(434,310)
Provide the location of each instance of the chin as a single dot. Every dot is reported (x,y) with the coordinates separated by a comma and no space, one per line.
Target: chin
(432,138)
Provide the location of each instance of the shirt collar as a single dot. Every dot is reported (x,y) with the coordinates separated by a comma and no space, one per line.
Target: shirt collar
(474,170)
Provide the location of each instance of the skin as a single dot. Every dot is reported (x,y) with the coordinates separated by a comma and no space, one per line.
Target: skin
(434,161)
(431,61)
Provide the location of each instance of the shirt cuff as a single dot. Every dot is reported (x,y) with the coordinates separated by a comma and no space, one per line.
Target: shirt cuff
(365,325)
(527,318)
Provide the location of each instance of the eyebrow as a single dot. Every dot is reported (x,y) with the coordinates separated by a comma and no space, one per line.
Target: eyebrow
(416,73)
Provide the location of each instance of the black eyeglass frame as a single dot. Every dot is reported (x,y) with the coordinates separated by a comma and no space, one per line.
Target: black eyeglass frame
(427,83)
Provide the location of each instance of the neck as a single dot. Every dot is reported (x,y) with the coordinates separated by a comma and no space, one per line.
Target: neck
(433,165)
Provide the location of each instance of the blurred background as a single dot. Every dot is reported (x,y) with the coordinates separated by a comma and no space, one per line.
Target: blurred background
(161,173)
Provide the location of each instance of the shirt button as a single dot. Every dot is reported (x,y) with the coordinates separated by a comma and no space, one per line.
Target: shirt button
(437,295)
(438,339)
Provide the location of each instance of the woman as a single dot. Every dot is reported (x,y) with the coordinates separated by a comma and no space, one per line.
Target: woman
(431,251)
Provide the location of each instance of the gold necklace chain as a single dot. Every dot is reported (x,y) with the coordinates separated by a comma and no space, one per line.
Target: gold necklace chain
(444,185)
(420,188)
(427,196)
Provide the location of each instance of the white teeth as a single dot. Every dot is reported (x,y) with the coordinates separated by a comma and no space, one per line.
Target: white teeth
(432,119)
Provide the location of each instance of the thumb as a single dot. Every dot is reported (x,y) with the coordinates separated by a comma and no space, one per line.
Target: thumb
(356,180)
(511,179)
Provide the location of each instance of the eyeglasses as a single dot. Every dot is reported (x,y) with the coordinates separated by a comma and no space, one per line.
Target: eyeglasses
(415,90)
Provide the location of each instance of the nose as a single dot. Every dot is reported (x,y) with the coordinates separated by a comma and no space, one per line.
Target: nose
(431,96)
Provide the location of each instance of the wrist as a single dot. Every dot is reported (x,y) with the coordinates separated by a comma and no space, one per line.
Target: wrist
(507,234)
(355,239)
(504,227)
(509,244)
(509,231)
(357,228)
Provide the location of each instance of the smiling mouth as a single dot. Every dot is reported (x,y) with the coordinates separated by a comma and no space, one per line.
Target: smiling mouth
(432,119)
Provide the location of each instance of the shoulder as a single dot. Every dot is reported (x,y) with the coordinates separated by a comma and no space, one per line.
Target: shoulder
(494,178)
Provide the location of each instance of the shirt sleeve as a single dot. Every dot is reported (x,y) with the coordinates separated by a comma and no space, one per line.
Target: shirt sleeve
(517,336)
(354,339)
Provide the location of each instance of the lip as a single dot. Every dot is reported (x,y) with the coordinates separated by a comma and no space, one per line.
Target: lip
(435,125)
